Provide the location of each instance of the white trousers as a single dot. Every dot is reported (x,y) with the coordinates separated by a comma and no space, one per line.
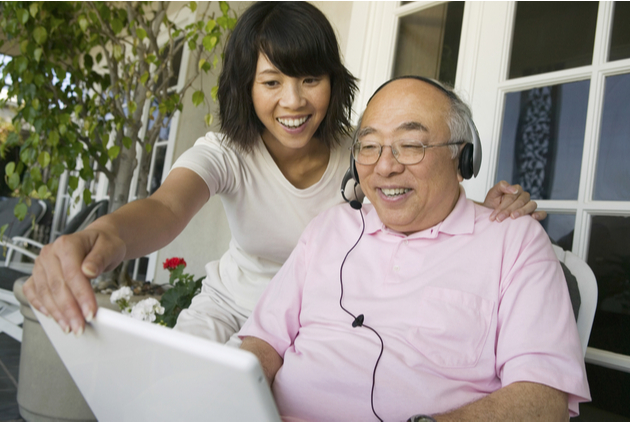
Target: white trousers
(213,314)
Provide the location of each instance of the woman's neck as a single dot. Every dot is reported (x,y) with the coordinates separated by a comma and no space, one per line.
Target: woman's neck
(302,167)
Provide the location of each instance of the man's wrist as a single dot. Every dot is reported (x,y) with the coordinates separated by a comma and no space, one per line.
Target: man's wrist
(421,418)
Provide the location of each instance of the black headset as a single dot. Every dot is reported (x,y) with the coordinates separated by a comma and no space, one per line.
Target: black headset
(469,158)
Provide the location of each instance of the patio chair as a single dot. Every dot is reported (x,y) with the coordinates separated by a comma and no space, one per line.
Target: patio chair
(10,317)
(22,246)
(587,285)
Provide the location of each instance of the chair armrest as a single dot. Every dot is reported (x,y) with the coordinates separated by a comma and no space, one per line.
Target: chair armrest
(12,247)
(30,242)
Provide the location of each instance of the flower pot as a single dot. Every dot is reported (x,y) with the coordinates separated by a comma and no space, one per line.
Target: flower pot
(46,392)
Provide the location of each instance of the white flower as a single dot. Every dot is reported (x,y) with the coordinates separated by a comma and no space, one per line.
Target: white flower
(146,309)
(124,293)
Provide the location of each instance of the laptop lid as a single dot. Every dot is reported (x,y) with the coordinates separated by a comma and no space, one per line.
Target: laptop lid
(130,370)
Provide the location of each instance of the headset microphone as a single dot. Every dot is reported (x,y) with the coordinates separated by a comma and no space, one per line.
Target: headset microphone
(355,204)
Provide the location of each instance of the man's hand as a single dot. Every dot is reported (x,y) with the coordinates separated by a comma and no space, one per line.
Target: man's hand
(60,284)
(511,201)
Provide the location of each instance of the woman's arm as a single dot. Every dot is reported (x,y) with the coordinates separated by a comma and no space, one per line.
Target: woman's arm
(60,284)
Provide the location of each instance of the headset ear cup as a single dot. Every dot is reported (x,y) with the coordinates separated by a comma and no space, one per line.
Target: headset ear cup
(466,161)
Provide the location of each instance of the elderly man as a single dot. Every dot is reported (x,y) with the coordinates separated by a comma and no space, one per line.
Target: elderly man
(417,303)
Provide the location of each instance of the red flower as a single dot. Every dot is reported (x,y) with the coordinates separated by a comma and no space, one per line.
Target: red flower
(172,263)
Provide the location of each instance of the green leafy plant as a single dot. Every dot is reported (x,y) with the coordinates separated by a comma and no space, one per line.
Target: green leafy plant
(165,312)
(178,297)
(84,74)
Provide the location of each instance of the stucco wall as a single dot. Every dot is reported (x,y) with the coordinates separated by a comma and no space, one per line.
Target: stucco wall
(208,235)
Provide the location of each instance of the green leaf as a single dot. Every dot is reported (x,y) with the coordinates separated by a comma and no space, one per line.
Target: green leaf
(20,211)
(148,148)
(73,182)
(27,156)
(14,181)
(201,63)
(35,103)
(42,191)
(214,92)
(144,78)
(141,33)
(113,152)
(118,52)
(132,107)
(87,196)
(43,159)
(9,169)
(209,42)
(127,142)
(83,22)
(117,26)
(40,34)
(208,119)
(36,174)
(197,98)
(37,54)
(210,25)
(34,8)
(21,64)
(53,138)
(22,16)
(224,7)
(193,6)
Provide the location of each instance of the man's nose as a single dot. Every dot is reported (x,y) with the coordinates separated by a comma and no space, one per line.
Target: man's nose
(387,163)
(292,96)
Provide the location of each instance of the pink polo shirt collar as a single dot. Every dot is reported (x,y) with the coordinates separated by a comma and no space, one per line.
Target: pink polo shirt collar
(460,221)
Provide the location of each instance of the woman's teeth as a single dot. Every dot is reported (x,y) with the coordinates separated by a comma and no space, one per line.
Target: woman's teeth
(292,123)
(395,192)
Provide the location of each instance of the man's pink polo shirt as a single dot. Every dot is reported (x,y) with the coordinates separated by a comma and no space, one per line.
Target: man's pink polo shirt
(464,308)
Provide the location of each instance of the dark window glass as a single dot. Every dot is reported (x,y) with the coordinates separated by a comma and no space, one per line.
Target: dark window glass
(609,391)
(609,258)
(550,36)
(428,42)
(158,168)
(612,177)
(542,139)
(620,36)
(177,63)
(560,229)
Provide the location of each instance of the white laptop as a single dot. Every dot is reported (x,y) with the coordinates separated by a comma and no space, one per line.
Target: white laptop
(130,370)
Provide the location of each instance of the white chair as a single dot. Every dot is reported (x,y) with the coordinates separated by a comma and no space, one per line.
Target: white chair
(587,285)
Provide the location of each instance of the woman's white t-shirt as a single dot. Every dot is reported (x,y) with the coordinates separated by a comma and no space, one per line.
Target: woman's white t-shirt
(266,213)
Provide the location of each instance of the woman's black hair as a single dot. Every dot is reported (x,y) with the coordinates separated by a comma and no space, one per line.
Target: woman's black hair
(297,39)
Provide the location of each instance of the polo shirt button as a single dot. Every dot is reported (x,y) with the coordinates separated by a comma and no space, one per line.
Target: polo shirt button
(406,242)
(396,268)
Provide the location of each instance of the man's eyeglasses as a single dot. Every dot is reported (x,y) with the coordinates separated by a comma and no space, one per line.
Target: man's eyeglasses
(405,151)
